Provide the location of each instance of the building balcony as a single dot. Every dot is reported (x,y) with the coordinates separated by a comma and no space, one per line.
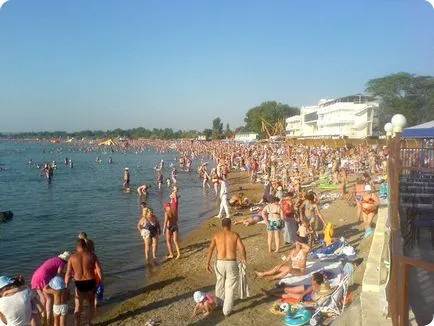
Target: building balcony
(346,121)
(295,118)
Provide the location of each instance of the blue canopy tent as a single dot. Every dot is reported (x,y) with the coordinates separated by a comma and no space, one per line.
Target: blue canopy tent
(424,130)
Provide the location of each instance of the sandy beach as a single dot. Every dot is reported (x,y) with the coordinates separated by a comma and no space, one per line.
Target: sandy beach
(168,295)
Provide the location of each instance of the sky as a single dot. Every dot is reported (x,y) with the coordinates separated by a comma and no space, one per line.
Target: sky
(104,64)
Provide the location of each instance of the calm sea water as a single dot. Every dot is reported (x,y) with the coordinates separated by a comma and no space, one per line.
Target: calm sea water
(89,197)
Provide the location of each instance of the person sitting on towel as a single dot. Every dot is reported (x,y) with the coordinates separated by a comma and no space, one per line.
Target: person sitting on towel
(294,264)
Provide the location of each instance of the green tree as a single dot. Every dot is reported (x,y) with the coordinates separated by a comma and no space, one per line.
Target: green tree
(228,132)
(217,128)
(207,133)
(270,111)
(408,94)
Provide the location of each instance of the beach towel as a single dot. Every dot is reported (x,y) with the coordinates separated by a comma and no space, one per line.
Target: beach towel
(337,250)
(244,286)
(328,249)
(312,267)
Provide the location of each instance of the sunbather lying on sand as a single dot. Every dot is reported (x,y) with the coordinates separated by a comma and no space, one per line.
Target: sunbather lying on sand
(295,264)
(300,292)
(256,218)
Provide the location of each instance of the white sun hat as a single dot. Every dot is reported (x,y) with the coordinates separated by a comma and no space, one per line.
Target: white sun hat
(198,296)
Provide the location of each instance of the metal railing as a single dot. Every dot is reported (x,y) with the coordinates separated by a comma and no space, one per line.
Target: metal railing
(417,158)
(410,162)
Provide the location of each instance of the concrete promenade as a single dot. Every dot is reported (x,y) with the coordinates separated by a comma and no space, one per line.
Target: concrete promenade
(373,297)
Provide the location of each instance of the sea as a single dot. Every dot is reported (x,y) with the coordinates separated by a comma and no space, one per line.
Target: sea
(89,197)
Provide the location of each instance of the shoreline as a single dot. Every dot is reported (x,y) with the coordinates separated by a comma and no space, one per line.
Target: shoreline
(167,294)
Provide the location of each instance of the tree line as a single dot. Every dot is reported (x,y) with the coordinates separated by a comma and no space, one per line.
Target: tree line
(402,92)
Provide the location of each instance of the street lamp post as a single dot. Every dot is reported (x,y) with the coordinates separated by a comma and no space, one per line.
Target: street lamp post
(396,126)
(388,128)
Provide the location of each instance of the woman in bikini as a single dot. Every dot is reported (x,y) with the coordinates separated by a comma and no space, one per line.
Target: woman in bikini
(294,264)
(359,189)
(274,219)
(149,228)
(215,180)
(370,203)
(309,211)
(300,292)
(343,182)
(205,179)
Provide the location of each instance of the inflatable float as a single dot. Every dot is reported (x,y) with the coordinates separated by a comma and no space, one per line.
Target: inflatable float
(298,318)
(6,216)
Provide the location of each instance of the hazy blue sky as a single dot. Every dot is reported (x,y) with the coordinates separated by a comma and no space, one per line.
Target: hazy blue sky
(103,64)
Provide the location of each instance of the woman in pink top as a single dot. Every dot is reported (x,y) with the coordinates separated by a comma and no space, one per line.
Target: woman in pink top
(42,276)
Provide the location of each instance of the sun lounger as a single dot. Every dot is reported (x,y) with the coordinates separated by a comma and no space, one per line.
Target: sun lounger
(334,304)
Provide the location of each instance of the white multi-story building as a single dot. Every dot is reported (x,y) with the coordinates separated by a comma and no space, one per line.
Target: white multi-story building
(352,116)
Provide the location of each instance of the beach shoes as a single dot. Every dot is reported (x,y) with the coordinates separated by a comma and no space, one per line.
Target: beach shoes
(368,232)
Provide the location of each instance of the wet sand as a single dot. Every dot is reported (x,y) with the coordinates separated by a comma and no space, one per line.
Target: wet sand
(168,294)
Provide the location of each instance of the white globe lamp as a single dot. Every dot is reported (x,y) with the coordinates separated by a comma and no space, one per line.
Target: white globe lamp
(388,128)
(398,122)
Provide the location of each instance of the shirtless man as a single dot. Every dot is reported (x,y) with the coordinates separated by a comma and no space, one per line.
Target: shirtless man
(295,264)
(226,267)
(84,265)
(239,200)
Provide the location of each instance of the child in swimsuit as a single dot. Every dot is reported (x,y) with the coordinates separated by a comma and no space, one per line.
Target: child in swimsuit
(58,289)
(204,302)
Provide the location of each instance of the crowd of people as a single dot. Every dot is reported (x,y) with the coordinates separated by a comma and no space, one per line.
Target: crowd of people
(289,208)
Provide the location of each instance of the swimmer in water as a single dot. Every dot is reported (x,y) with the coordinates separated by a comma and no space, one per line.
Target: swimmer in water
(142,191)
(159,178)
(126,184)
(110,160)
(48,171)
(174,175)
(168,182)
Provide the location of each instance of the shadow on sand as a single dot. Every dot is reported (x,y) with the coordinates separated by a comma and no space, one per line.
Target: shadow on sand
(218,316)
(156,304)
